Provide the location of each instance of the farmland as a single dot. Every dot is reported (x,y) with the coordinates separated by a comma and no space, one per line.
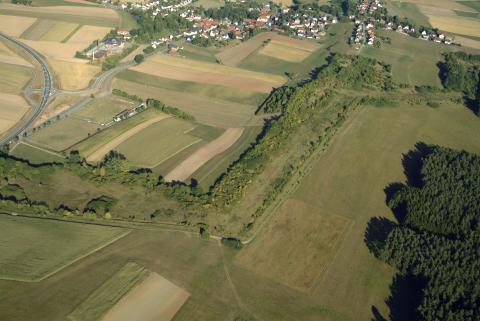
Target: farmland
(44,249)
(13,78)
(287,51)
(102,110)
(35,155)
(13,109)
(73,75)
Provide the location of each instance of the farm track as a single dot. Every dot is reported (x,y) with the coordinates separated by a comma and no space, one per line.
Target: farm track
(46,93)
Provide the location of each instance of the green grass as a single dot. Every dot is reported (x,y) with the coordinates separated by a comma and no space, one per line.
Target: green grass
(37,29)
(48,3)
(467,14)
(207,4)
(126,20)
(158,142)
(472,4)
(208,173)
(36,155)
(407,10)
(32,249)
(199,53)
(102,110)
(106,296)
(193,88)
(14,77)
(71,34)
(63,133)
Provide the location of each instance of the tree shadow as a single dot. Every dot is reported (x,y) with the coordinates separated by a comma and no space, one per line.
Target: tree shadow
(412,163)
(405,297)
(376,234)
(377,316)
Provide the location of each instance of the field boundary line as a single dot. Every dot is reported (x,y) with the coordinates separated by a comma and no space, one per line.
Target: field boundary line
(39,148)
(177,152)
(70,262)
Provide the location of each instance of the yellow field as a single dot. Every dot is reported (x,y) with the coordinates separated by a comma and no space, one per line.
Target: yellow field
(209,73)
(285,51)
(9,57)
(87,34)
(13,78)
(459,25)
(13,107)
(74,75)
(446,4)
(468,42)
(300,241)
(59,31)
(15,26)
(55,50)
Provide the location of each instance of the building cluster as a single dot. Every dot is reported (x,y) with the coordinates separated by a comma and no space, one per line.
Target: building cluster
(163,7)
(364,32)
(113,45)
(307,25)
(368,6)
(428,35)
(129,112)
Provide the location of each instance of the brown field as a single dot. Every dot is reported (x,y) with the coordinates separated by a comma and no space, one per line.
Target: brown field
(155,298)
(467,42)
(209,73)
(13,107)
(9,57)
(14,77)
(301,241)
(285,51)
(38,29)
(59,31)
(56,50)
(102,151)
(200,157)
(87,34)
(15,26)
(234,55)
(458,25)
(74,75)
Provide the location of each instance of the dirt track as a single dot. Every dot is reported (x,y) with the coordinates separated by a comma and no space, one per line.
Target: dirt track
(156,299)
(102,151)
(186,168)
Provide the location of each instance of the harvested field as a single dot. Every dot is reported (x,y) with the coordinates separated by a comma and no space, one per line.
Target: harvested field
(14,77)
(111,145)
(35,155)
(298,245)
(9,57)
(468,42)
(13,108)
(206,110)
(88,34)
(158,142)
(58,105)
(38,29)
(458,25)
(190,165)
(57,50)
(155,298)
(234,55)
(73,75)
(285,51)
(214,74)
(113,290)
(15,26)
(102,110)
(59,31)
(33,249)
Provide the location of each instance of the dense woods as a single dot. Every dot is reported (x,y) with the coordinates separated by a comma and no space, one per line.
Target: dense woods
(437,239)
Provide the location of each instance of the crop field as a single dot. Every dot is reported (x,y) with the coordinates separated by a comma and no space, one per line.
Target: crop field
(87,34)
(287,51)
(102,110)
(208,73)
(62,133)
(113,290)
(38,29)
(74,75)
(13,25)
(60,31)
(205,153)
(85,15)
(210,3)
(13,108)
(158,142)
(35,155)
(214,112)
(199,53)
(155,298)
(7,56)
(13,78)
(47,246)
(458,25)
(409,10)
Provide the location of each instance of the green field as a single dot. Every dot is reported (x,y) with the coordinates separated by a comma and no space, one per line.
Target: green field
(102,110)
(47,3)
(35,155)
(472,4)
(158,142)
(209,3)
(37,29)
(13,78)
(63,133)
(106,296)
(199,53)
(33,249)
(407,10)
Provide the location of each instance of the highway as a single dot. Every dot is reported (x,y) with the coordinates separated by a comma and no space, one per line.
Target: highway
(25,122)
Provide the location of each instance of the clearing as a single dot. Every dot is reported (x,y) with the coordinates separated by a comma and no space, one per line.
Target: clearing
(46,247)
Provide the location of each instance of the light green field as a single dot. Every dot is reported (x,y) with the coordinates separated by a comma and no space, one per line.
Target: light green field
(208,111)
(209,3)
(106,296)
(472,4)
(14,77)
(60,31)
(158,142)
(62,133)
(199,53)
(38,29)
(102,110)
(47,3)
(35,155)
(47,246)
(407,10)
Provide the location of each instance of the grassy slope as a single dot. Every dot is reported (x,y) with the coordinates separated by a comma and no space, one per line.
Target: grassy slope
(13,78)
(35,155)
(408,10)
(102,110)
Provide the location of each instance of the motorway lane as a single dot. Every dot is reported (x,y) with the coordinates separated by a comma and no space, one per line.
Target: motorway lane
(47,92)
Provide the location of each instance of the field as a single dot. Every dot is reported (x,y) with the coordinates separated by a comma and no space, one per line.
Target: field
(142,303)
(47,246)
(209,3)
(208,73)
(102,110)
(35,155)
(13,78)
(199,53)
(286,51)
(9,57)
(461,26)
(13,25)
(62,133)
(61,31)
(409,10)
(195,161)
(38,29)
(113,290)
(13,108)
(73,75)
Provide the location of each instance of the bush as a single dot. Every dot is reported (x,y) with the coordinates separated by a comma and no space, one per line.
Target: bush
(139,58)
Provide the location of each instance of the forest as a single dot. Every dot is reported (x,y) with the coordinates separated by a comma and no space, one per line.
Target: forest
(436,243)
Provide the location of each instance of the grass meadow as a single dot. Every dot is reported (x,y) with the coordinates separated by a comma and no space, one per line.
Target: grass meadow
(407,10)
(102,110)
(14,77)
(35,155)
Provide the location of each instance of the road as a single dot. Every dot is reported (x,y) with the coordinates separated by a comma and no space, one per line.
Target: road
(46,93)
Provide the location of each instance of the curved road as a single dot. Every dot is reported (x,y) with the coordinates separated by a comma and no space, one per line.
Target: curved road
(47,91)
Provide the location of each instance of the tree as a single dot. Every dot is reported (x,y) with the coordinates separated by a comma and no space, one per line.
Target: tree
(139,58)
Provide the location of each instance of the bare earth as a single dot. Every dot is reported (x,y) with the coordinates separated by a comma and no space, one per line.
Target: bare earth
(155,299)
(204,154)
(15,26)
(102,151)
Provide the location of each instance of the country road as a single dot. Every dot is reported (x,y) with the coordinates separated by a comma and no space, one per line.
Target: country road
(46,93)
